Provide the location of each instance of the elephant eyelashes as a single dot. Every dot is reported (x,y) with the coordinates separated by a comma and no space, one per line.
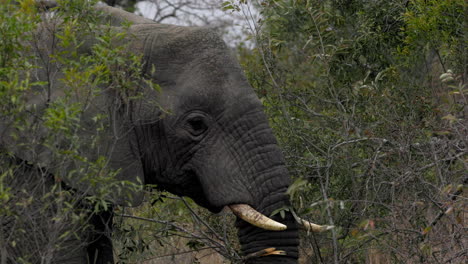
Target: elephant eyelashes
(197,126)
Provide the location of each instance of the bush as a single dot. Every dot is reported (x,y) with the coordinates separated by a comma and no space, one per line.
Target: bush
(374,138)
(47,87)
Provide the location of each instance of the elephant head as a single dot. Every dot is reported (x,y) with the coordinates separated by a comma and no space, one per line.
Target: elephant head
(215,145)
(203,135)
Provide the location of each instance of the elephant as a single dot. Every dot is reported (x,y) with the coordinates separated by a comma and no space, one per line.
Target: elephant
(203,135)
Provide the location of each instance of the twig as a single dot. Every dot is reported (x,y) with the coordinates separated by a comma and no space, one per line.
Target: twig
(265,252)
(198,218)
(454,197)
(178,253)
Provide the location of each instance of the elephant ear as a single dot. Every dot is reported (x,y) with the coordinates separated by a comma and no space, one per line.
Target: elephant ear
(81,135)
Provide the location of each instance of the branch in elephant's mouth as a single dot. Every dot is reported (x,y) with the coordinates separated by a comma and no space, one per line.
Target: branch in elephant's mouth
(265,252)
(252,216)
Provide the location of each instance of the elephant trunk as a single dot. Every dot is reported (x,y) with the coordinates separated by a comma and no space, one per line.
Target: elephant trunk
(265,179)
(266,246)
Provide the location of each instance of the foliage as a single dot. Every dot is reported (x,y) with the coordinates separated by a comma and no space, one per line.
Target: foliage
(436,25)
(173,229)
(372,136)
(42,218)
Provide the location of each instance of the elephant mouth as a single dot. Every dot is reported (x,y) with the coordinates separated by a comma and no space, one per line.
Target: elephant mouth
(189,186)
(246,212)
(241,210)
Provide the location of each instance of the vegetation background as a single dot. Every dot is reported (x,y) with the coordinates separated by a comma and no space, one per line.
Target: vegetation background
(368,100)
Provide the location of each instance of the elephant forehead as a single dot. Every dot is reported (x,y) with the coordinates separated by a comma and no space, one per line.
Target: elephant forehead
(207,83)
(184,40)
(166,45)
(193,66)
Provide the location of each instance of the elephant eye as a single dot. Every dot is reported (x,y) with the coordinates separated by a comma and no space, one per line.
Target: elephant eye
(197,126)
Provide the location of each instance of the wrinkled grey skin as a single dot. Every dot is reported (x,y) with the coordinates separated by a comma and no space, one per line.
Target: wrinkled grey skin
(215,145)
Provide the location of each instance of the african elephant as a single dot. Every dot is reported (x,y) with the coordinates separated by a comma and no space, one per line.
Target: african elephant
(211,143)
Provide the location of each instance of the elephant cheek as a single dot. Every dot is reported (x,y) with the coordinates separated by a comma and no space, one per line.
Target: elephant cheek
(222,182)
(240,173)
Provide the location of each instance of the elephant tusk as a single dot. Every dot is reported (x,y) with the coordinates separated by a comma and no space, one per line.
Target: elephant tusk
(308,226)
(252,216)
(314,227)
